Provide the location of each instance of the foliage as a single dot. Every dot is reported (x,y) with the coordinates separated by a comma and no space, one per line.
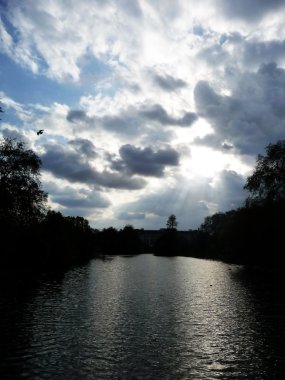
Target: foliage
(130,242)
(67,239)
(249,235)
(216,223)
(267,183)
(22,200)
(171,222)
(168,243)
(124,241)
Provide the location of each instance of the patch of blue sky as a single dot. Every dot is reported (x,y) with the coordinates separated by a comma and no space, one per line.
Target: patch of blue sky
(9,116)
(23,86)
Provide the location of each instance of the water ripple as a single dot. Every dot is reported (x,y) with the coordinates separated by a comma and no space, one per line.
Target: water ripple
(145,317)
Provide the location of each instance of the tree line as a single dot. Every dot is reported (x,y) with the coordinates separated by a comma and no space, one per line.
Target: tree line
(251,234)
(34,236)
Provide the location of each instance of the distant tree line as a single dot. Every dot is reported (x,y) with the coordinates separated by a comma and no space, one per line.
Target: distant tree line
(35,237)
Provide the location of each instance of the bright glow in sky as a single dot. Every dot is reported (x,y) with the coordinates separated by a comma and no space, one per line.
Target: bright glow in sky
(148,107)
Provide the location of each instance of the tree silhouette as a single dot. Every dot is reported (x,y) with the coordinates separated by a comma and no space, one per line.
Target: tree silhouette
(171,222)
(22,201)
(267,183)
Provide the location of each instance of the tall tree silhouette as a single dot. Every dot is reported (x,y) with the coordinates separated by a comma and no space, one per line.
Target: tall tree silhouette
(267,183)
(171,222)
(22,201)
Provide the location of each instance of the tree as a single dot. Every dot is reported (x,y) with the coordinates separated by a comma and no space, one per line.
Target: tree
(22,201)
(267,183)
(130,242)
(171,222)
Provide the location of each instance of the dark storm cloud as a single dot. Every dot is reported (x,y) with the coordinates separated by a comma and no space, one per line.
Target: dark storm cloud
(84,147)
(145,161)
(252,116)
(249,10)
(71,166)
(168,83)
(158,113)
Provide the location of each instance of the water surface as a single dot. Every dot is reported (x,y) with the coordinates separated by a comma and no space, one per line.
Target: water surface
(145,317)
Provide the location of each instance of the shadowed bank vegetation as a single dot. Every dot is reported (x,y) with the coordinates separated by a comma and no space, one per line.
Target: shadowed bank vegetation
(34,237)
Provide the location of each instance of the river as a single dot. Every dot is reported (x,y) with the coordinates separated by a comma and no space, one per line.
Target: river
(144,317)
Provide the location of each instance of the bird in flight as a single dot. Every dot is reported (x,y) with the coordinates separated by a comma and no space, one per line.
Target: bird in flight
(40,132)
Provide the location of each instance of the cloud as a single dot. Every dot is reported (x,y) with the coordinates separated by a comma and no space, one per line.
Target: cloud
(252,116)
(131,216)
(214,55)
(125,123)
(131,120)
(159,114)
(76,201)
(74,198)
(168,83)
(84,147)
(256,52)
(227,190)
(145,161)
(131,8)
(77,115)
(12,134)
(94,200)
(249,10)
(68,164)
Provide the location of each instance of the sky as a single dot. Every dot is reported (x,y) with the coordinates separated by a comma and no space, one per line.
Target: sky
(149,107)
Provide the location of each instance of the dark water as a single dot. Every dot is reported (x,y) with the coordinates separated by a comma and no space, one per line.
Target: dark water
(145,317)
